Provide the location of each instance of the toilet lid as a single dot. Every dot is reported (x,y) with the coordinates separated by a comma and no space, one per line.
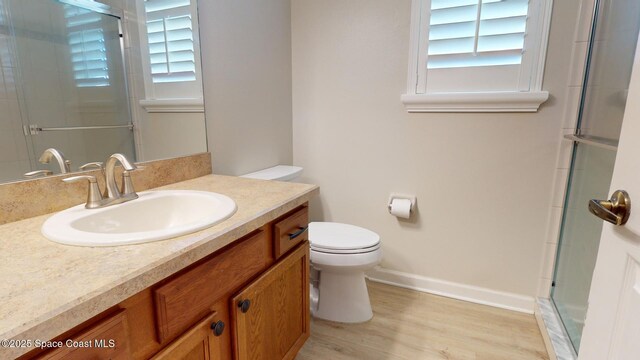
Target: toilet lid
(337,236)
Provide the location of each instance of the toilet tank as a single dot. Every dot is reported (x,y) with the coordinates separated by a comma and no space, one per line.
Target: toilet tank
(279,172)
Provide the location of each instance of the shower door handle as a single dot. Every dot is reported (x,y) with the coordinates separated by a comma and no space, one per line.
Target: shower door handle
(615,210)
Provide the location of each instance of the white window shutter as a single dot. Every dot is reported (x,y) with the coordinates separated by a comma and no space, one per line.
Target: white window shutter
(171,43)
(87,46)
(472,33)
(477,55)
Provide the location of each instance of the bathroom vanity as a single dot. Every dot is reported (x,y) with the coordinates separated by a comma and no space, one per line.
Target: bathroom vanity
(236,290)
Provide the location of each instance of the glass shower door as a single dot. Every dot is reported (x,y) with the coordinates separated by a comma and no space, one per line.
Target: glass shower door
(73,91)
(611,53)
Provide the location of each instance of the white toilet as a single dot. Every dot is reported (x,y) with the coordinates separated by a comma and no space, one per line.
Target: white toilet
(340,255)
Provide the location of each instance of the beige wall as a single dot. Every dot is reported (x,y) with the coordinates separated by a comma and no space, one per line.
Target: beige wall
(167,135)
(483,181)
(246,63)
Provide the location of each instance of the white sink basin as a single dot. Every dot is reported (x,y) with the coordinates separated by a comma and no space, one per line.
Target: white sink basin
(155,215)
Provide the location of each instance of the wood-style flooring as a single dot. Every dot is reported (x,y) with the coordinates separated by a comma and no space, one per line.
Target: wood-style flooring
(413,325)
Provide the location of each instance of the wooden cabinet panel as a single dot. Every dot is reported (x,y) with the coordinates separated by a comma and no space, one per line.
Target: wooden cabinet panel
(276,322)
(189,296)
(106,340)
(200,343)
(143,338)
(290,231)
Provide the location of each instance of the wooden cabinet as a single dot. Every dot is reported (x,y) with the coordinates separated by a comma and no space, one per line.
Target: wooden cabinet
(186,297)
(173,318)
(271,315)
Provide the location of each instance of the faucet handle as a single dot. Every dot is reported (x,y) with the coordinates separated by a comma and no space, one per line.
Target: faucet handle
(94,197)
(36,173)
(93,165)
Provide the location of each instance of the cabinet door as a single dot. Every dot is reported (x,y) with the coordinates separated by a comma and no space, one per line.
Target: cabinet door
(199,343)
(271,315)
(106,340)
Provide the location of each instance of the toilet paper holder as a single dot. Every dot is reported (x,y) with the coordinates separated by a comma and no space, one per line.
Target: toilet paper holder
(411,198)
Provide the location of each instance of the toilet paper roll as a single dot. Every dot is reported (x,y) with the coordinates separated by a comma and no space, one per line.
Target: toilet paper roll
(401,208)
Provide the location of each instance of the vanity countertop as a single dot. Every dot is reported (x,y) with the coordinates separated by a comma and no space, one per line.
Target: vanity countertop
(48,288)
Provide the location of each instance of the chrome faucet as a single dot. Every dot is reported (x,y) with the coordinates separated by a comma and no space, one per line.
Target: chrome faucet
(47,155)
(112,195)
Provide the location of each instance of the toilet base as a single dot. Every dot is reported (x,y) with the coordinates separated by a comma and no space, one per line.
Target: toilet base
(343,297)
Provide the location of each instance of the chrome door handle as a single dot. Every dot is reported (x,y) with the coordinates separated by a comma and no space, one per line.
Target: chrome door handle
(615,210)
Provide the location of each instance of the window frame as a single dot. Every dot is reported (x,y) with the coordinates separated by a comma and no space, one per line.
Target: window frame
(528,95)
(170,97)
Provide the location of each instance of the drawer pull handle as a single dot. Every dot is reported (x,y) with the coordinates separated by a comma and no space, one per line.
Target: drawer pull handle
(301,231)
(217,327)
(244,305)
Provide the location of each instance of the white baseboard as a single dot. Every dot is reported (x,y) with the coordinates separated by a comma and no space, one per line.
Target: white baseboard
(453,290)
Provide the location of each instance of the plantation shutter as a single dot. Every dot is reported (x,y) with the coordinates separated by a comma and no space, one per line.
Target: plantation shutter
(87,45)
(472,33)
(171,46)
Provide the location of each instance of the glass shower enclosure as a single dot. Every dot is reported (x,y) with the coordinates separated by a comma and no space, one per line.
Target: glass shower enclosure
(611,52)
(63,76)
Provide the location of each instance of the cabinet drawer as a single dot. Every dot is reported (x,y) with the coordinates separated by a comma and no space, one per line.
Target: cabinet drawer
(106,340)
(290,231)
(189,296)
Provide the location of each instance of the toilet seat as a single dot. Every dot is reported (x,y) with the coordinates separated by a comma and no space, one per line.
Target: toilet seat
(338,238)
(345,251)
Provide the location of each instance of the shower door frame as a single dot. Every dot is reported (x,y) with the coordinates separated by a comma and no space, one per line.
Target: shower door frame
(578,140)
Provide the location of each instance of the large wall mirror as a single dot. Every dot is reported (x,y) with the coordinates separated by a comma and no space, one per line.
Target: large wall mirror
(90,79)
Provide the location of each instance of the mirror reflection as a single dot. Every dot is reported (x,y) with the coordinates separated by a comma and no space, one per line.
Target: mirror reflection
(80,81)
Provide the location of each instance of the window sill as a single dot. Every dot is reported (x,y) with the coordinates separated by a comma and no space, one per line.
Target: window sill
(173,105)
(503,101)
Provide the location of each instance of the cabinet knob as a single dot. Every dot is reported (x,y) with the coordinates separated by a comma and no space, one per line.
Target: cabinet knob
(244,305)
(217,327)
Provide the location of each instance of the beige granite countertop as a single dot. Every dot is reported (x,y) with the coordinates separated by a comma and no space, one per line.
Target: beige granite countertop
(47,288)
